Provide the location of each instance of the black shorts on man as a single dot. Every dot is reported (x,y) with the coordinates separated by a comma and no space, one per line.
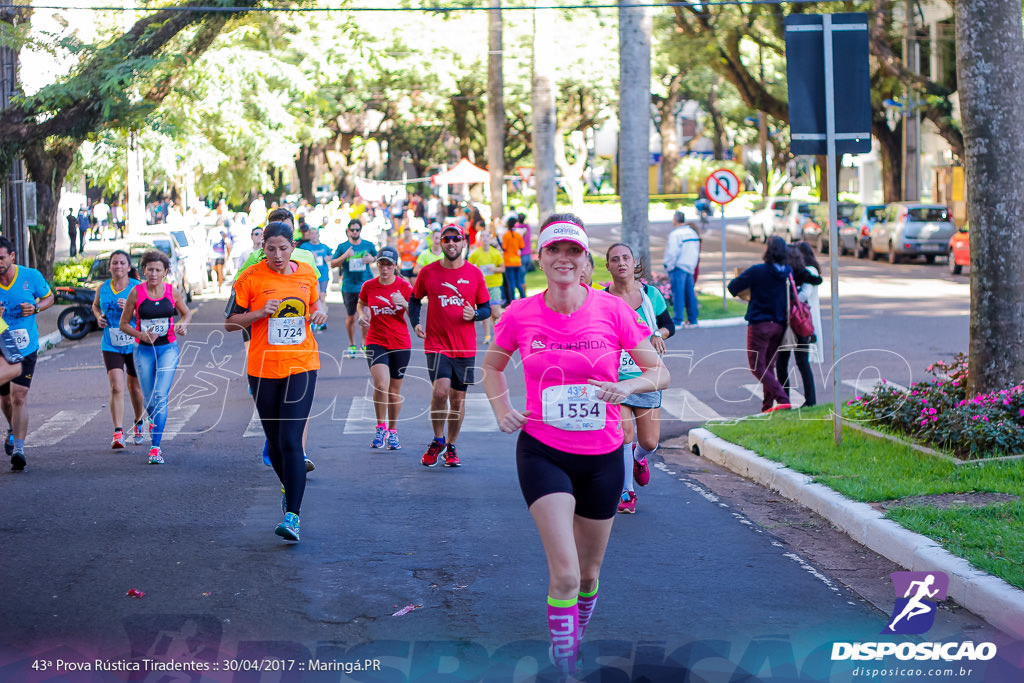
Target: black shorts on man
(459,370)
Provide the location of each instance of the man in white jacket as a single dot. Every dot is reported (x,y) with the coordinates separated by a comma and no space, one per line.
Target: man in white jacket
(682,252)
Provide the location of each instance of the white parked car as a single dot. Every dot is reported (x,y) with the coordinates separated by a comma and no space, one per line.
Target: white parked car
(767,218)
(798,215)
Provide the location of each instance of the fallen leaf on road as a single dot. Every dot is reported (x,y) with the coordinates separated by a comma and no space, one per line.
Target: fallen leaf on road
(134,593)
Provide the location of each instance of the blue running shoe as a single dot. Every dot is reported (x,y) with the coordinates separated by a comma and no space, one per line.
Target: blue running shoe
(266,453)
(309,463)
(9,443)
(393,444)
(380,437)
(17,461)
(288,529)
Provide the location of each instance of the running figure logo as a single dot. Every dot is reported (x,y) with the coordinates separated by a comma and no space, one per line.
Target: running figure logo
(914,612)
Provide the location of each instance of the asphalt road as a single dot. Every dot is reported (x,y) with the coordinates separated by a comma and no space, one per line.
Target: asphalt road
(691,586)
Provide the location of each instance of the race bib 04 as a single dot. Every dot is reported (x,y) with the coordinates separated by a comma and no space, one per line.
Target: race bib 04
(286,331)
(21,338)
(573,407)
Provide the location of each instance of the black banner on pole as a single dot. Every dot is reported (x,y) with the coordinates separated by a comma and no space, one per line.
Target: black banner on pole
(805,72)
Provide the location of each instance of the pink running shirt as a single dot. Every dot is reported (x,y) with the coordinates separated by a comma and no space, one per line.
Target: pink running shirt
(560,354)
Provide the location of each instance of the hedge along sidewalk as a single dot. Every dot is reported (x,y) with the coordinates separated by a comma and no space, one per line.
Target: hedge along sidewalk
(990,597)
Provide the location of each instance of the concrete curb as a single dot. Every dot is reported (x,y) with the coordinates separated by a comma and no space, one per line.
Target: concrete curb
(49,341)
(989,597)
(722,322)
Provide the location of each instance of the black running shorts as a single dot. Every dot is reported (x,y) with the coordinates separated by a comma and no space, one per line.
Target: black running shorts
(28,367)
(458,370)
(595,481)
(113,360)
(351,299)
(397,360)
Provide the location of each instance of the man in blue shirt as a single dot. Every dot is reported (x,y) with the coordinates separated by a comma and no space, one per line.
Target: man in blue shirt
(354,256)
(23,294)
(322,262)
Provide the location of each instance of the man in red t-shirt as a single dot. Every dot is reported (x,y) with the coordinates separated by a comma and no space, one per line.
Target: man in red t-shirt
(458,297)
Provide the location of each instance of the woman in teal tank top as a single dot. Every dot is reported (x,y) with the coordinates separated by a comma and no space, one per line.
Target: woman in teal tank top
(117,346)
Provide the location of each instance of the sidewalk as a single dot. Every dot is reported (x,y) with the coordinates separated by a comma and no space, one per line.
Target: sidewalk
(991,598)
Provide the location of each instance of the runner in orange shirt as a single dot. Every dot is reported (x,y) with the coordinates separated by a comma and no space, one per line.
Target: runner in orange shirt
(407,248)
(279,299)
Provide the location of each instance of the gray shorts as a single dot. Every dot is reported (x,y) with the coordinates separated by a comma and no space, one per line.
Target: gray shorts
(651,399)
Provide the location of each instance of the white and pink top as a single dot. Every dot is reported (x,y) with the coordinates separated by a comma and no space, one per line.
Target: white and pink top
(561,353)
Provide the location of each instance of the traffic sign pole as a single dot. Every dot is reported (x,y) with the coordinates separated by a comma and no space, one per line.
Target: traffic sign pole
(725,291)
(721,187)
(833,230)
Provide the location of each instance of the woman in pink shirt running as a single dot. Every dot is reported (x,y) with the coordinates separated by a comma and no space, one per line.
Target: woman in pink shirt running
(569,450)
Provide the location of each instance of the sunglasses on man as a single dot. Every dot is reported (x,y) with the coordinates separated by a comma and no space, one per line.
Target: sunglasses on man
(448,239)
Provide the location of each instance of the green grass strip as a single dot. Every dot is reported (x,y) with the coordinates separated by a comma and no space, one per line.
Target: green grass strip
(873,470)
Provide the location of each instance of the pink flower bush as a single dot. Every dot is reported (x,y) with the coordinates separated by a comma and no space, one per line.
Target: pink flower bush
(938,413)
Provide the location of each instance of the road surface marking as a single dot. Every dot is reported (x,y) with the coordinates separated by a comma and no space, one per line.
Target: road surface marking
(60,426)
(361,418)
(795,397)
(177,420)
(685,407)
(255,427)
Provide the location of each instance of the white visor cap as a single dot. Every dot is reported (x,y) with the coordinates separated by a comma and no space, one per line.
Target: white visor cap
(563,232)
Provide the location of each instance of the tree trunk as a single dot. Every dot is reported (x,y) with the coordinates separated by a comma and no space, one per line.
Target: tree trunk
(543,96)
(667,106)
(572,173)
(495,110)
(460,116)
(890,151)
(718,140)
(634,127)
(47,168)
(990,73)
(305,168)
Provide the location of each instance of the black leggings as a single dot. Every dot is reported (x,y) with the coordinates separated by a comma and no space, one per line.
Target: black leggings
(803,363)
(283,406)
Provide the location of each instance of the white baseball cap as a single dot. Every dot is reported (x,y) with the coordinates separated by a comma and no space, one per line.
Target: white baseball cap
(563,231)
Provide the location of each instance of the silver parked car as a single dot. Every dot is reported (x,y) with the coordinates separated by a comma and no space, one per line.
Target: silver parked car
(910,229)
(863,219)
(844,226)
(796,219)
(766,219)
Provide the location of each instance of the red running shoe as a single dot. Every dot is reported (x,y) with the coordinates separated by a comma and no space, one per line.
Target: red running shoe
(641,472)
(434,451)
(451,459)
(627,503)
